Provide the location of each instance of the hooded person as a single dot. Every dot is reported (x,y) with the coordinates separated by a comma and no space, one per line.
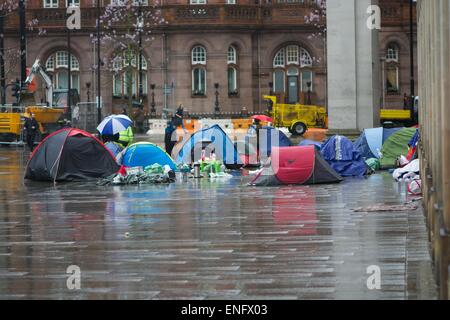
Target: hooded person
(31,128)
(169,140)
(126,137)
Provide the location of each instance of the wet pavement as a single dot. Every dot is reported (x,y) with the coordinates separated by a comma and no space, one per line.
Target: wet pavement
(207,240)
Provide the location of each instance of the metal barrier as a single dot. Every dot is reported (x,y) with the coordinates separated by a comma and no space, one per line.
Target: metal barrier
(84,116)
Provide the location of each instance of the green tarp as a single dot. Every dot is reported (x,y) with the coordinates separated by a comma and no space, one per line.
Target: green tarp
(395,146)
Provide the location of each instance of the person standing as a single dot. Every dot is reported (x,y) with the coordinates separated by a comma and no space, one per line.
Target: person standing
(169,138)
(126,137)
(139,118)
(178,119)
(31,129)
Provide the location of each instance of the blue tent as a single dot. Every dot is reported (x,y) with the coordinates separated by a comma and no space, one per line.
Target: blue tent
(210,139)
(143,154)
(269,137)
(272,138)
(343,157)
(115,148)
(305,143)
(370,141)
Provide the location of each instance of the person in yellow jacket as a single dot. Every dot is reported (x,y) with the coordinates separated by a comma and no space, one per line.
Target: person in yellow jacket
(126,137)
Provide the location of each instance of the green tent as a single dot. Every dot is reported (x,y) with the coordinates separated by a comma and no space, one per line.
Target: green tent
(395,146)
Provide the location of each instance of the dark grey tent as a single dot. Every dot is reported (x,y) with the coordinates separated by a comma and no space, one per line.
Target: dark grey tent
(70,154)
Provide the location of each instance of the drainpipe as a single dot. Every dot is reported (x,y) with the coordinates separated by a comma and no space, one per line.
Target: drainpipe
(23,39)
(164,74)
(326,69)
(383,82)
(411,46)
(259,72)
(2,60)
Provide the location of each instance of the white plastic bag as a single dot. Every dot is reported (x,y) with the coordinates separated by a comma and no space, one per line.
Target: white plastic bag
(415,187)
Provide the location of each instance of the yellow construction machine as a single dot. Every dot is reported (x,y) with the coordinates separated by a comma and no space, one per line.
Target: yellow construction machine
(47,115)
(296,117)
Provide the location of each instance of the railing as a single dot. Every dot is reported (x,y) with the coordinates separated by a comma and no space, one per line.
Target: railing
(182,15)
(58,17)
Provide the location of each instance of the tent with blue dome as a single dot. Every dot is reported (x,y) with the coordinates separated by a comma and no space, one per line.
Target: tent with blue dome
(342,156)
(144,154)
(271,137)
(209,139)
(307,142)
(370,141)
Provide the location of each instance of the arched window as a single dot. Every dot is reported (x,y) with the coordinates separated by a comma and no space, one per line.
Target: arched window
(292,72)
(126,74)
(392,53)
(232,56)
(392,69)
(198,81)
(278,80)
(198,61)
(57,67)
(198,55)
(232,71)
(232,81)
(305,58)
(278,61)
(292,54)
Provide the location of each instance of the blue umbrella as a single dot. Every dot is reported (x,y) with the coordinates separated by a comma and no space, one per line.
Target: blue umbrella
(114,124)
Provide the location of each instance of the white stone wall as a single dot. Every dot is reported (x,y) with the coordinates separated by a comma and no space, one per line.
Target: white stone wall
(353,63)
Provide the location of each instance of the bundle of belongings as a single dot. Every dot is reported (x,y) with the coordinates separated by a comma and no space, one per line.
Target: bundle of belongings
(410,175)
(153,174)
(213,168)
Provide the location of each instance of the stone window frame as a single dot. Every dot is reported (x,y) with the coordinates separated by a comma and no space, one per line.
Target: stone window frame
(57,62)
(199,94)
(51,4)
(233,92)
(304,63)
(232,55)
(196,2)
(392,52)
(198,55)
(280,58)
(198,62)
(232,63)
(118,65)
(393,62)
(75,3)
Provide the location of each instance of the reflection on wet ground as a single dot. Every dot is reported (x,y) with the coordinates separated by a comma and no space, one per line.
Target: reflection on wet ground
(207,240)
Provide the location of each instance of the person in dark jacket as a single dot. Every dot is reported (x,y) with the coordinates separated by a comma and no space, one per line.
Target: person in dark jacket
(178,118)
(31,128)
(168,139)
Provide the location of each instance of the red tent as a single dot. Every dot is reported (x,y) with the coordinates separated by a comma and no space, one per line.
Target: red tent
(296,165)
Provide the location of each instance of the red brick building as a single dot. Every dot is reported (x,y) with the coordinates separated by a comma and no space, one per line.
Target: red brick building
(247,47)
